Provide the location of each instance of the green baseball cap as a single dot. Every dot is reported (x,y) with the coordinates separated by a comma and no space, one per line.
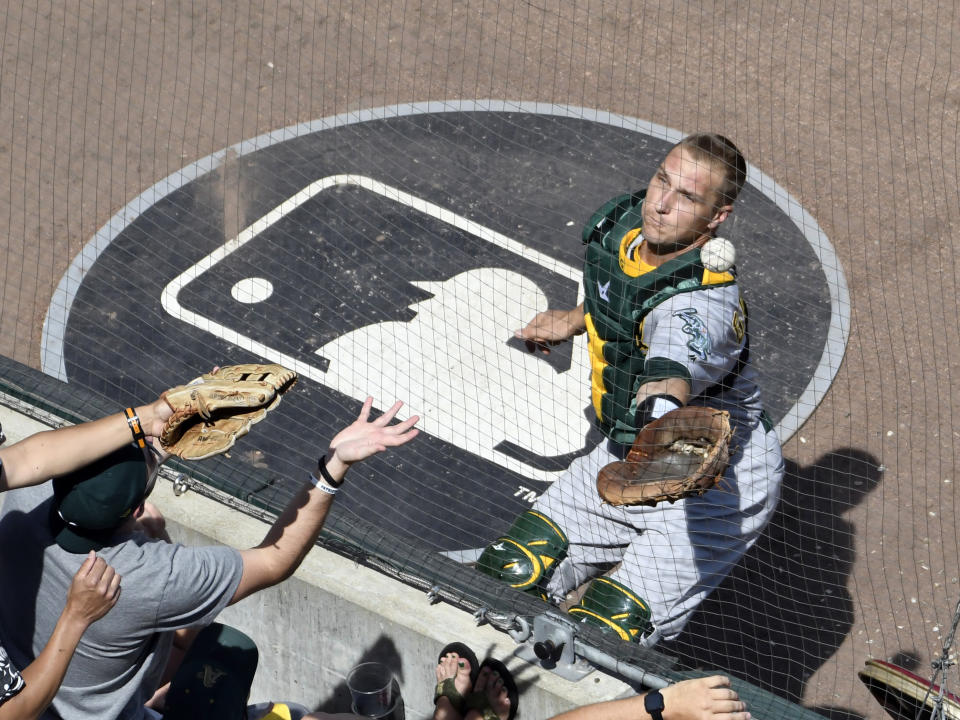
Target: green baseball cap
(92,502)
(214,679)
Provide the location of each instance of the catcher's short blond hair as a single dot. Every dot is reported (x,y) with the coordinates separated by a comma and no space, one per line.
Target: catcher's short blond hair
(723,154)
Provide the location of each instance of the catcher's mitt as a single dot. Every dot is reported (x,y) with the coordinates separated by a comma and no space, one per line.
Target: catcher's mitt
(213,410)
(683,453)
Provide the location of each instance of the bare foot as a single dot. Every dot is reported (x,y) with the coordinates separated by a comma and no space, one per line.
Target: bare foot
(490,683)
(453,666)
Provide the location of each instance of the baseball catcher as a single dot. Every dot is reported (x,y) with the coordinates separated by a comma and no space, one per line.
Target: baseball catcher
(671,382)
(681,454)
(210,412)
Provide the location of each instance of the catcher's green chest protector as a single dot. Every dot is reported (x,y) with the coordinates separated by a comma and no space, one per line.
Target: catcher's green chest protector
(619,292)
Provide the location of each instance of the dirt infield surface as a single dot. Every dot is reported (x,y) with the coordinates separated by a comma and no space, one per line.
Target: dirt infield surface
(853,110)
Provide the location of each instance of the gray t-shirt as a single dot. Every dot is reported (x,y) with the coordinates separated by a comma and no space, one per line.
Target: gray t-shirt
(120,659)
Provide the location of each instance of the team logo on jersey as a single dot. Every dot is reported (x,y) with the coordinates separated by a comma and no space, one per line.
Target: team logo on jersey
(699,342)
(604,290)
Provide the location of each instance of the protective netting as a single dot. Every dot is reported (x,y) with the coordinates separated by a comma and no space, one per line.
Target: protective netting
(380,194)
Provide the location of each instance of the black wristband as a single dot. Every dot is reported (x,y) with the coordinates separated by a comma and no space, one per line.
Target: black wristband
(325,474)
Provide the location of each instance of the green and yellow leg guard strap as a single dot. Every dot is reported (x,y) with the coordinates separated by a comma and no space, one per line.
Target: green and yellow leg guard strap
(527,555)
(615,607)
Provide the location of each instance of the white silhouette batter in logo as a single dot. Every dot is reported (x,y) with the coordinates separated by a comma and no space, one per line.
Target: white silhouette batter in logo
(453,366)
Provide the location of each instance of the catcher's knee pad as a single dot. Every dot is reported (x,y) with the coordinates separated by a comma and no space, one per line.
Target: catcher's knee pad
(616,607)
(527,555)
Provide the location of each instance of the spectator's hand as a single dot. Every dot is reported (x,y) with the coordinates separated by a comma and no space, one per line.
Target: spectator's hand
(547,329)
(364,438)
(94,590)
(709,698)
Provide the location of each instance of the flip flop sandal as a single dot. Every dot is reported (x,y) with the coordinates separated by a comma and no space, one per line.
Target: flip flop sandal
(477,700)
(446,688)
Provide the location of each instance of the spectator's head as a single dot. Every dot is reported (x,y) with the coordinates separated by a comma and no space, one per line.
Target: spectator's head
(213,681)
(91,503)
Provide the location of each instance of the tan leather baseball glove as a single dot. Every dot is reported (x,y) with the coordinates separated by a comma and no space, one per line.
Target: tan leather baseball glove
(213,410)
(683,453)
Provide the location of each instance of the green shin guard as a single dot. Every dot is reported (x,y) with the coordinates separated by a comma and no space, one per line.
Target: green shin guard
(615,607)
(527,555)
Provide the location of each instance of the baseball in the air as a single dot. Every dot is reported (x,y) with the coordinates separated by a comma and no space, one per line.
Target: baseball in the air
(718,254)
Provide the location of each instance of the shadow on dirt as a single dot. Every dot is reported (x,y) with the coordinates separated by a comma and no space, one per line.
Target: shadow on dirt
(785,608)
